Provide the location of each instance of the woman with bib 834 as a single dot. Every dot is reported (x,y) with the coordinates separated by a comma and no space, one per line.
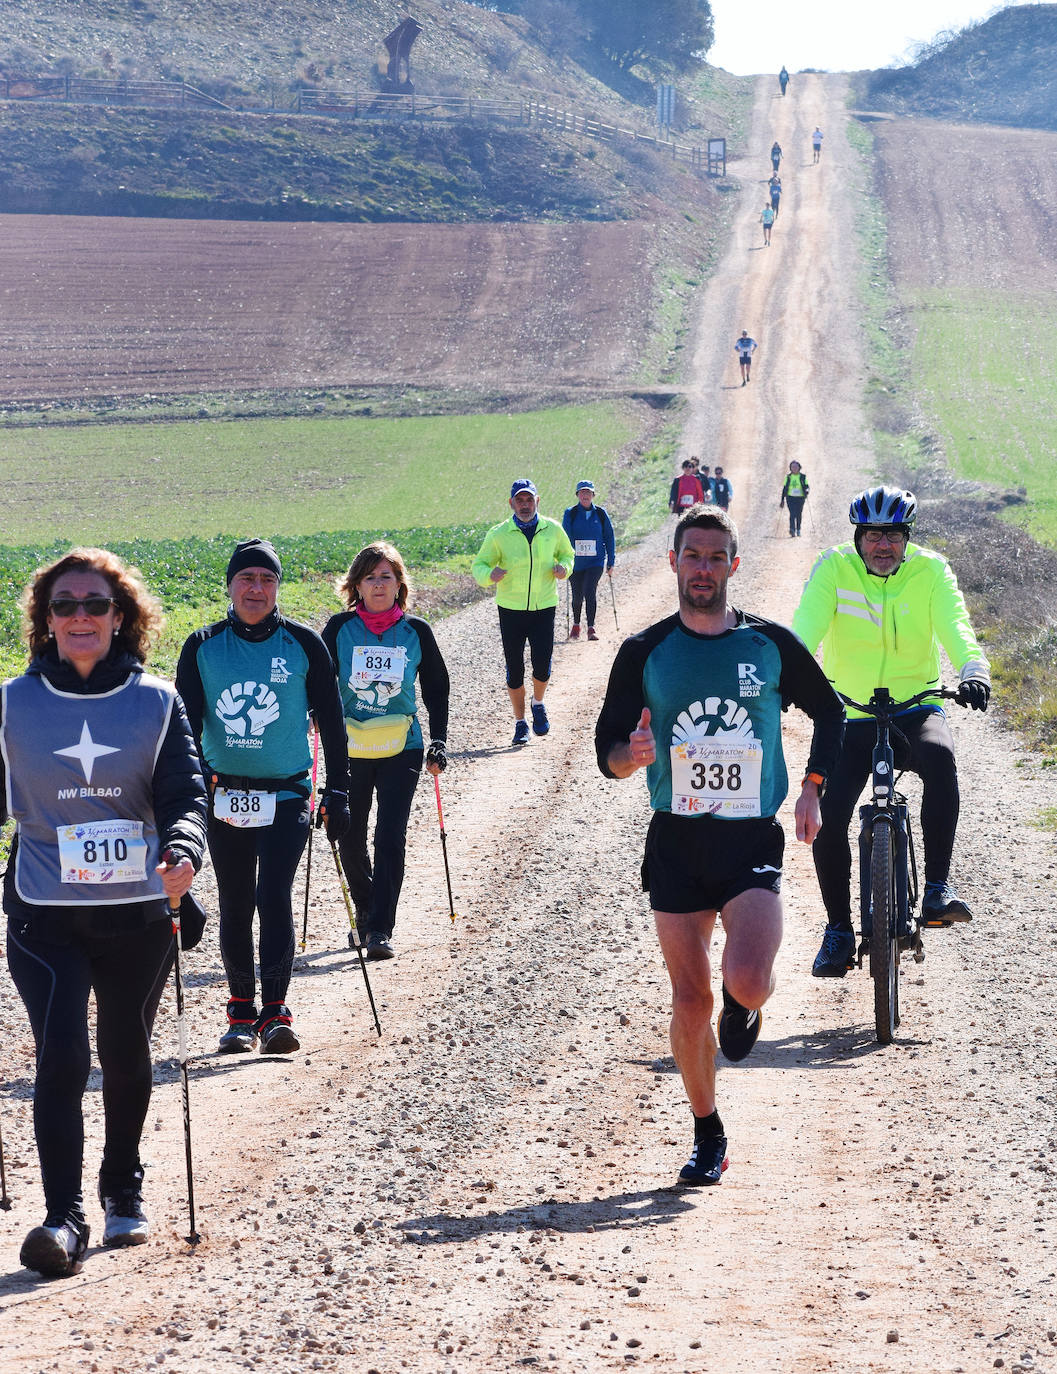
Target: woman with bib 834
(378,651)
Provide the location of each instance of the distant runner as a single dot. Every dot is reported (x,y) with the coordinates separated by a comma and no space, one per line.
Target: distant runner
(716,775)
(767,220)
(722,489)
(525,558)
(590,532)
(776,154)
(794,493)
(816,144)
(687,490)
(774,188)
(745,347)
(708,488)
(783,79)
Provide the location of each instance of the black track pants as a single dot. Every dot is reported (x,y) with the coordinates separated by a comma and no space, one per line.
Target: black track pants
(376,889)
(127,973)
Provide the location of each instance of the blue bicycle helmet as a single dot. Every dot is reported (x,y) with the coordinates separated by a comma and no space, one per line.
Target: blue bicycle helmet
(884,506)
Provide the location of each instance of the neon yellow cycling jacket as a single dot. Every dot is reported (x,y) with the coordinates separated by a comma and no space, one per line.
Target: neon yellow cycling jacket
(530,584)
(886,631)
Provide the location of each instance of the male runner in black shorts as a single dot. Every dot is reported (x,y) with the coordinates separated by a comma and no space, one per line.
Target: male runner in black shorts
(696,700)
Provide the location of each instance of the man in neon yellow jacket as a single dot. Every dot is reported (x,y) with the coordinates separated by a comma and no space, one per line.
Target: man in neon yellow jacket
(881,607)
(525,558)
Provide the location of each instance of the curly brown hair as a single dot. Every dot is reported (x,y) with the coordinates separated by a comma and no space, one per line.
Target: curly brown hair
(365,563)
(141,612)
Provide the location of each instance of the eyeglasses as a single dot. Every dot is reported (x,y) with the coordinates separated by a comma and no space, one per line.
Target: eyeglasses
(65,606)
(876,536)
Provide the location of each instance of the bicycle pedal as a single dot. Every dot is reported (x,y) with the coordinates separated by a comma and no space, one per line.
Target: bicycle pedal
(938,923)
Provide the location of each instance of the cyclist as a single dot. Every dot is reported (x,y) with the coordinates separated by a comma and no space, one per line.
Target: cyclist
(716,774)
(745,347)
(795,491)
(525,558)
(881,607)
(590,532)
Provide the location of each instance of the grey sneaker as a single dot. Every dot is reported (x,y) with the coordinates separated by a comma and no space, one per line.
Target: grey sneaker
(125,1222)
(56,1249)
(276,1031)
(941,905)
(241,1034)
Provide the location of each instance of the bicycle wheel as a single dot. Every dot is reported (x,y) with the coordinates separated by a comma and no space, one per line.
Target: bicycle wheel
(884,951)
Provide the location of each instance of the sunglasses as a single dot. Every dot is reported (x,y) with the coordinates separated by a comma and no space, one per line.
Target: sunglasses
(65,606)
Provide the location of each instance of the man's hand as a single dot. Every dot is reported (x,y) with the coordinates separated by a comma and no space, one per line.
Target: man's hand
(560,571)
(808,813)
(975,693)
(497,574)
(334,814)
(639,752)
(609,570)
(176,878)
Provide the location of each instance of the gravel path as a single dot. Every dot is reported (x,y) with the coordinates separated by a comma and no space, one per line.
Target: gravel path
(488,1185)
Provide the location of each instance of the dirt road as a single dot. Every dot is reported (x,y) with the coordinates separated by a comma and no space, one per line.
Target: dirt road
(488,1186)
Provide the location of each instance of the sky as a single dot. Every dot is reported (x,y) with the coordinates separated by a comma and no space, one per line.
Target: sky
(832,35)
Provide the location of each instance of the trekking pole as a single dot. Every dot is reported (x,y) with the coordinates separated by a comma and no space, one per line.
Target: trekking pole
(810,514)
(354,934)
(311,827)
(444,847)
(613,598)
(5,1201)
(568,598)
(181,1021)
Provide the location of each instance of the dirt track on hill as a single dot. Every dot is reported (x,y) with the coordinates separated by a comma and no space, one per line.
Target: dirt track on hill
(488,1186)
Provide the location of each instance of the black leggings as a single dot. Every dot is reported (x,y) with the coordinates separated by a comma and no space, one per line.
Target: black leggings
(376,890)
(536,628)
(255,868)
(796,511)
(127,973)
(584,586)
(932,759)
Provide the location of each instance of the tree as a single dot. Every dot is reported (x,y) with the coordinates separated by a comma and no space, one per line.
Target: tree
(675,32)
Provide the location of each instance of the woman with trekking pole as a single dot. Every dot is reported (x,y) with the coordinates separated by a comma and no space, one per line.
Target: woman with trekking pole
(101,775)
(379,651)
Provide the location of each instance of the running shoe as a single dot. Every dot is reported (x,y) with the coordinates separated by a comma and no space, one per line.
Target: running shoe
(521,732)
(241,1034)
(125,1222)
(837,954)
(592,633)
(56,1249)
(274,1026)
(739,1028)
(708,1159)
(574,633)
(540,723)
(379,946)
(941,905)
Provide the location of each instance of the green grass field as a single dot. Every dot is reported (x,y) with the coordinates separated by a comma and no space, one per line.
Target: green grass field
(98,483)
(983,365)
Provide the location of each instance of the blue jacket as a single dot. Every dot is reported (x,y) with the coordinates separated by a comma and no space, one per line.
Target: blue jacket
(591,526)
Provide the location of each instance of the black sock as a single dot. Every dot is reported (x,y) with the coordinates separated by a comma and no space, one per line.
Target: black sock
(708,1127)
(731,1003)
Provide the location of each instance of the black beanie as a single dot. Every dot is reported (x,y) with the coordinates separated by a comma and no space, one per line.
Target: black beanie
(254,553)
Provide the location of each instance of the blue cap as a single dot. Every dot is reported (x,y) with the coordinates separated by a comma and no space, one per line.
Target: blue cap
(584,486)
(523,484)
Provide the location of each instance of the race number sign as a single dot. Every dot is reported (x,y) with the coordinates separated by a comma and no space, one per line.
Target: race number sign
(246,809)
(102,852)
(585,548)
(377,663)
(716,777)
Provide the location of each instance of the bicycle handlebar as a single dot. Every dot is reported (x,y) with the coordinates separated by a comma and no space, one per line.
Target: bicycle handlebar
(893,708)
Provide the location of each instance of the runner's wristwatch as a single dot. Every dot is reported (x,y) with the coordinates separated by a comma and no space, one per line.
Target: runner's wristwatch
(817,779)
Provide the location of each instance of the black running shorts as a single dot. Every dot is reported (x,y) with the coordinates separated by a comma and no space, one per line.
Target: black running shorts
(699,863)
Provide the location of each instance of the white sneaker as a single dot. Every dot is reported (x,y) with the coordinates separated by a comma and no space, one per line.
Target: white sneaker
(125,1222)
(55,1251)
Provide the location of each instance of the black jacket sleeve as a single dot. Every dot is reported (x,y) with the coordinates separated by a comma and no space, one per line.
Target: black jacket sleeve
(180,805)
(324,701)
(803,684)
(432,680)
(189,684)
(624,697)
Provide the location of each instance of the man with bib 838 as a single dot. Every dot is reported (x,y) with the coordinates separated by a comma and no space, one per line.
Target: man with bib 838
(696,700)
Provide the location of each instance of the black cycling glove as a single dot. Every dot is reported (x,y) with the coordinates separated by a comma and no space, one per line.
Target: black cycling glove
(334,813)
(437,753)
(975,693)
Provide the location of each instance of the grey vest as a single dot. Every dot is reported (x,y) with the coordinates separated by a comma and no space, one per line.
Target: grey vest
(77,761)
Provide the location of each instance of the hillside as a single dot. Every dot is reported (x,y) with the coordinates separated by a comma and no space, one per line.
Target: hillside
(1002,71)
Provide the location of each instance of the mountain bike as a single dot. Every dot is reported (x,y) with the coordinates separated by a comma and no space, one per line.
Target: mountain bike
(888,871)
